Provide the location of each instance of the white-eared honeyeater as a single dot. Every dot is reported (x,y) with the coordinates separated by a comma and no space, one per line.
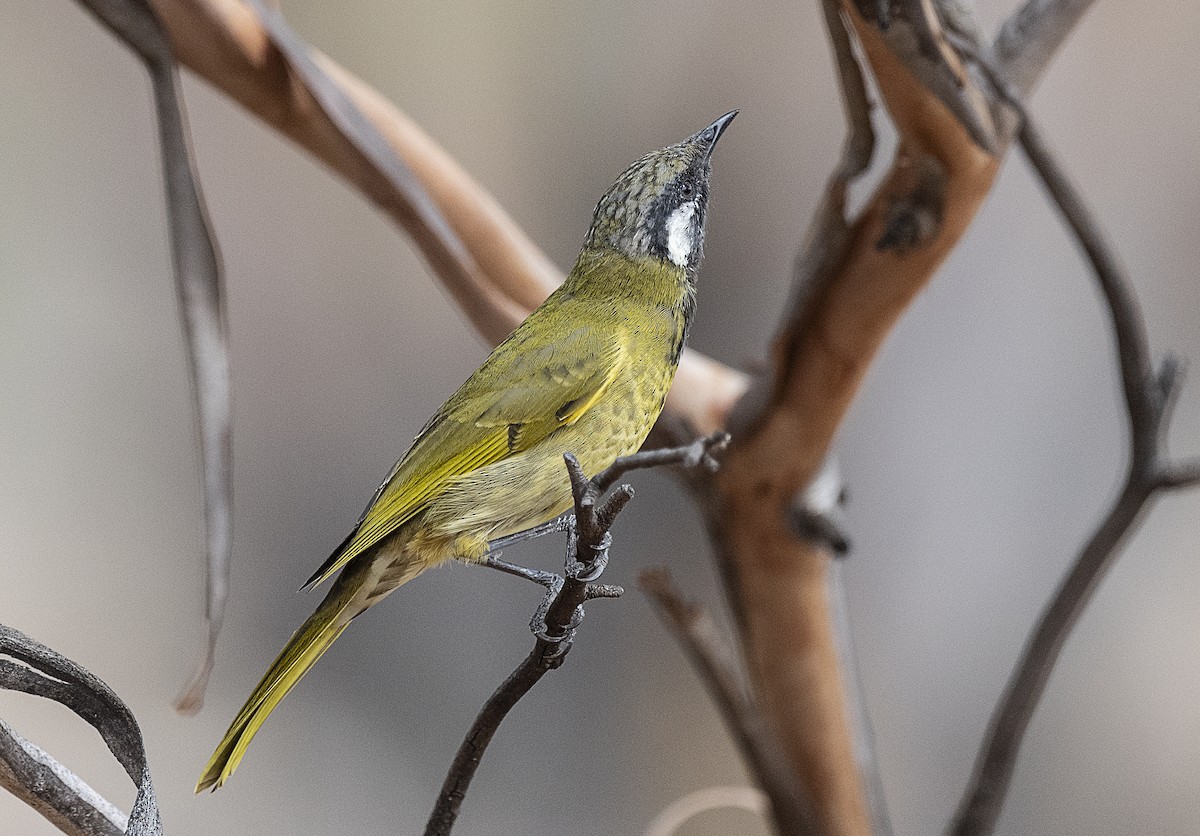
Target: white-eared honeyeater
(586,373)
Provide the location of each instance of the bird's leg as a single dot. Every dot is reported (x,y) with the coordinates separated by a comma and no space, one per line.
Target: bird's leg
(495,547)
(546,579)
(557,524)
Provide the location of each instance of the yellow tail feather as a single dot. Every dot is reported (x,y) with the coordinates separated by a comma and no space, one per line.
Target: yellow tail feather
(303,649)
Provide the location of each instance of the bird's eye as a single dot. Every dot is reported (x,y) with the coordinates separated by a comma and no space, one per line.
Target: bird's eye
(686,190)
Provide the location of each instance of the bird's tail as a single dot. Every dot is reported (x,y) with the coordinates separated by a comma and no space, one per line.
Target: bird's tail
(303,649)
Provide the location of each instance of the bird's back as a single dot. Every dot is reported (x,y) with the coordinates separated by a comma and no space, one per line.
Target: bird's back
(635,344)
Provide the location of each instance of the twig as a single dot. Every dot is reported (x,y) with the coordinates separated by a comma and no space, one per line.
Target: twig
(42,672)
(199,286)
(1149,398)
(1032,36)
(712,658)
(54,791)
(561,611)
(865,753)
(677,814)
(698,453)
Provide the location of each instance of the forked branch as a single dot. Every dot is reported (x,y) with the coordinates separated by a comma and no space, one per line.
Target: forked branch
(1149,397)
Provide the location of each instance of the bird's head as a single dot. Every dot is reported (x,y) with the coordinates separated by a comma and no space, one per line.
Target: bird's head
(656,208)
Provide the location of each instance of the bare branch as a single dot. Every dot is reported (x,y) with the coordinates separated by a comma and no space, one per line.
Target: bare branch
(714,661)
(1031,37)
(860,720)
(1143,399)
(58,794)
(981,804)
(1183,475)
(1149,398)
(561,610)
(855,277)
(44,673)
(697,454)
(199,286)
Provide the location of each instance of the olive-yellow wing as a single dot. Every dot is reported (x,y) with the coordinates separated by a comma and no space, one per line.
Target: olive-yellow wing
(519,396)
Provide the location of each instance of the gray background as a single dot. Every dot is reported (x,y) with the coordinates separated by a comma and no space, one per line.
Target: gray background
(984,445)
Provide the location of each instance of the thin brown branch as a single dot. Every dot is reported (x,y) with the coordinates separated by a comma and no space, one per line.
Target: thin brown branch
(1149,398)
(224,42)
(556,620)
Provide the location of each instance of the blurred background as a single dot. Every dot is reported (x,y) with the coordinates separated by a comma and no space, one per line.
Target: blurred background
(985,445)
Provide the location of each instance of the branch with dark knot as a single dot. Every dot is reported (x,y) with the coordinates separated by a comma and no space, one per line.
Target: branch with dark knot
(561,611)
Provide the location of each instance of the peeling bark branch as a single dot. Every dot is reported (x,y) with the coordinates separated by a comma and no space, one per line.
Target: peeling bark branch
(58,794)
(200,288)
(854,279)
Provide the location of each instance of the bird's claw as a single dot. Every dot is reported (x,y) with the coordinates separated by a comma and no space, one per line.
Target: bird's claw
(594,568)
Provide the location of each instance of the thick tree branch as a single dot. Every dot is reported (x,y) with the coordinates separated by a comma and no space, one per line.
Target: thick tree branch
(714,661)
(854,279)
(561,611)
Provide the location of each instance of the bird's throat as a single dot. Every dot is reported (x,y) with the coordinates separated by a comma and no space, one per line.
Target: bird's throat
(609,274)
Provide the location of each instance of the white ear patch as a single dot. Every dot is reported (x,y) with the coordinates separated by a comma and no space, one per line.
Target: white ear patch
(679,233)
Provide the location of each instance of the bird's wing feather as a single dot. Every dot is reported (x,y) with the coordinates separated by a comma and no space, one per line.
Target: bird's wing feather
(516,399)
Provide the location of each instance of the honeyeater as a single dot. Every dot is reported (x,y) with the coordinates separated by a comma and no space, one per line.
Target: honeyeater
(587,373)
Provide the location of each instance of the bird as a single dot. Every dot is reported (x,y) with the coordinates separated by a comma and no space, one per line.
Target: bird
(587,372)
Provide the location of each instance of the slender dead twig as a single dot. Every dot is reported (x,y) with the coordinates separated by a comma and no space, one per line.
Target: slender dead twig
(57,793)
(41,781)
(675,815)
(561,611)
(713,659)
(1032,36)
(1149,397)
(199,286)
